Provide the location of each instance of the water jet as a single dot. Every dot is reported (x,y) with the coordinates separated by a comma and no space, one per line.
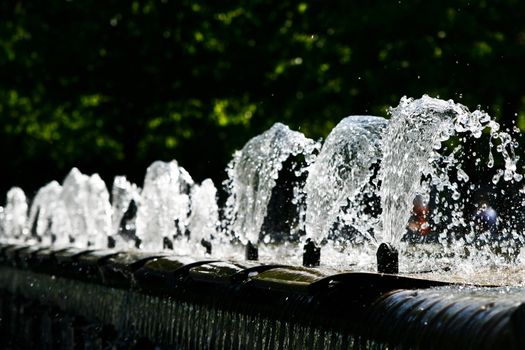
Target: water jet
(168,266)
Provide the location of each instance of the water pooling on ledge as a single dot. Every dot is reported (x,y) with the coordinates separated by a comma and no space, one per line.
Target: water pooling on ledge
(370,180)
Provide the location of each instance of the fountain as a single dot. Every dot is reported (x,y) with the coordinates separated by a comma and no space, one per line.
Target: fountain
(15,214)
(342,183)
(253,175)
(418,162)
(204,218)
(42,210)
(165,205)
(398,245)
(125,196)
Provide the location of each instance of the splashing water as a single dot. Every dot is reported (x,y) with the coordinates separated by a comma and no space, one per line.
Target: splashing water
(165,204)
(253,173)
(15,214)
(415,161)
(70,224)
(98,212)
(123,193)
(85,211)
(2,223)
(42,211)
(359,189)
(341,177)
(82,213)
(204,218)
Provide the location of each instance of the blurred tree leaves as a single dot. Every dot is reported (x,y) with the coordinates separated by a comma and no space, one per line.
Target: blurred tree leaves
(111,86)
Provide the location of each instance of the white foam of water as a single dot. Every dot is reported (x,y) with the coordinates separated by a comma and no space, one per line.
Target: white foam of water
(98,212)
(43,209)
(15,214)
(122,193)
(70,222)
(165,204)
(2,222)
(82,213)
(204,218)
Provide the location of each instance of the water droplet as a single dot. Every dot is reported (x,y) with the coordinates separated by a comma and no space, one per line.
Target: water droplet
(490,162)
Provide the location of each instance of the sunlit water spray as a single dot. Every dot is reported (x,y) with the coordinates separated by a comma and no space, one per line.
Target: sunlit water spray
(342,211)
(125,199)
(340,181)
(14,215)
(253,174)
(204,219)
(165,205)
(81,215)
(43,208)
(355,192)
(419,158)
(201,235)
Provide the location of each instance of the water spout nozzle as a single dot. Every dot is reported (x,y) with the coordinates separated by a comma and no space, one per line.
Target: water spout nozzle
(311,254)
(387,259)
(167,243)
(252,252)
(207,245)
(111,242)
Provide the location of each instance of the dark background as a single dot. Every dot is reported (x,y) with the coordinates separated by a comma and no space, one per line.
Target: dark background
(110,86)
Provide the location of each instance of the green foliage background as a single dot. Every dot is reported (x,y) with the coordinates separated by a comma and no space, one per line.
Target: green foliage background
(111,86)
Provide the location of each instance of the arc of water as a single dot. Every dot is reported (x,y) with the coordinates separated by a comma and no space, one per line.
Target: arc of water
(342,172)
(252,175)
(412,148)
